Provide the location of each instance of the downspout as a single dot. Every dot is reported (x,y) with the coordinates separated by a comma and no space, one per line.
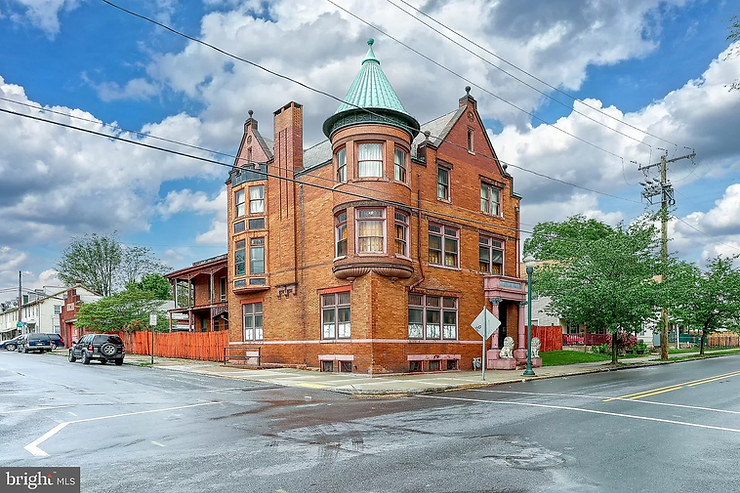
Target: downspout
(418,234)
(518,235)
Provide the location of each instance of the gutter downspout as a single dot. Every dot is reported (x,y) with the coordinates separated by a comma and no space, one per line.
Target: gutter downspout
(418,235)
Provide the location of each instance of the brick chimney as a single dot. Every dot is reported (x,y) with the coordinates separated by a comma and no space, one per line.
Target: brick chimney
(289,136)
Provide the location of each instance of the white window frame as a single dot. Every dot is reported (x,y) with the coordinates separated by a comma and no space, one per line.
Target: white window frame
(239,203)
(341,233)
(443,188)
(342,165)
(402,220)
(257,199)
(366,167)
(256,254)
(399,165)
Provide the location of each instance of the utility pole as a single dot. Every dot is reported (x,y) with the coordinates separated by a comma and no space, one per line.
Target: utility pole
(20,300)
(664,189)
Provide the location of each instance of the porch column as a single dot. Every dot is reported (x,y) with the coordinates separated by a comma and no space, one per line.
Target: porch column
(495,311)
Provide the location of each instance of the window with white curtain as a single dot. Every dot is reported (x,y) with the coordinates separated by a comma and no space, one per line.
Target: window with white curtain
(371,230)
(335,316)
(256,199)
(370,160)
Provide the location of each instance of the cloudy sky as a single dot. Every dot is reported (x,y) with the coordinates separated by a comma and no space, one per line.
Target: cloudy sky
(649,74)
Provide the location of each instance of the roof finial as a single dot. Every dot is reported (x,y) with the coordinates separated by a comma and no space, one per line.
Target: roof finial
(467,90)
(427,133)
(370,55)
(250,113)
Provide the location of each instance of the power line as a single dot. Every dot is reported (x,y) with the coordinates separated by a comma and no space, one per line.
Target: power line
(238,158)
(705,233)
(433,214)
(554,88)
(324,93)
(512,75)
(596,146)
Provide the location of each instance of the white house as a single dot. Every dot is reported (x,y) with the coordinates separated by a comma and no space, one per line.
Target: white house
(40,312)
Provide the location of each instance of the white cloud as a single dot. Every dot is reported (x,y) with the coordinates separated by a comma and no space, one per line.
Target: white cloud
(200,203)
(43,14)
(72,183)
(135,89)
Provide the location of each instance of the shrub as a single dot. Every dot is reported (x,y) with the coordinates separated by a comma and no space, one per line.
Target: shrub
(625,341)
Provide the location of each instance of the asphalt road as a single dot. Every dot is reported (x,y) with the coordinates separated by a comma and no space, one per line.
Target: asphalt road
(675,428)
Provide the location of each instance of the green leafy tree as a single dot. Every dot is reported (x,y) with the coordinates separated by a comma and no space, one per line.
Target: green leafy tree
(600,276)
(93,260)
(104,264)
(708,300)
(125,311)
(154,283)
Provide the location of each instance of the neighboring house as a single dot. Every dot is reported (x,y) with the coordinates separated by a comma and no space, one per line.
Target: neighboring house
(199,293)
(73,298)
(40,313)
(372,251)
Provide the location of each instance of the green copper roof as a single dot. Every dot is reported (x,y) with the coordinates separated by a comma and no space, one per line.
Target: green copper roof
(371,89)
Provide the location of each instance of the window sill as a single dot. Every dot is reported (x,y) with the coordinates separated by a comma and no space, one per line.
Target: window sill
(446,201)
(445,267)
(342,257)
(335,341)
(403,257)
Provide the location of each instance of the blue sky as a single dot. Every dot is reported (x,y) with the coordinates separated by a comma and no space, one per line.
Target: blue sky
(637,58)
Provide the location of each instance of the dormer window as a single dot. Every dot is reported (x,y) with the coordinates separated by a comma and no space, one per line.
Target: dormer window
(370,161)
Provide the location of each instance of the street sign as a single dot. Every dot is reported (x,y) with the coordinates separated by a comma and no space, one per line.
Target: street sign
(20,325)
(153,319)
(485,324)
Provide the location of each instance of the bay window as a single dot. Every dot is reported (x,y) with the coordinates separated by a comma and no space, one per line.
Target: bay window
(371,230)
(370,160)
(239,205)
(399,165)
(342,165)
(257,256)
(256,199)
(340,234)
(240,258)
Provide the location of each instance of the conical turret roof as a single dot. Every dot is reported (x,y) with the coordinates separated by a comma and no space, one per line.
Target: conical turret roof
(371,89)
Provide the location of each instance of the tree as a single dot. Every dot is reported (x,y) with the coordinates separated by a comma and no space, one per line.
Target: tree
(154,283)
(601,276)
(706,301)
(104,264)
(137,261)
(125,311)
(92,260)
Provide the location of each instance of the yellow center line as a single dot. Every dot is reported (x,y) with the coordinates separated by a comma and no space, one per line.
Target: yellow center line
(669,388)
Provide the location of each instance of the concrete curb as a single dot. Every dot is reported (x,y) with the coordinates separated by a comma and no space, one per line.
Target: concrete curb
(393,393)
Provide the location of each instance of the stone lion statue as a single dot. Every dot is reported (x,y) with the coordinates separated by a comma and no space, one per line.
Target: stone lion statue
(536,347)
(507,352)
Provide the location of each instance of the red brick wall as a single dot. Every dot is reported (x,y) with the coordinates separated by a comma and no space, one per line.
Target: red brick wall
(300,250)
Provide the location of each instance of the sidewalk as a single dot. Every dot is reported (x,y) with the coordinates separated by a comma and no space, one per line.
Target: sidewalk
(357,384)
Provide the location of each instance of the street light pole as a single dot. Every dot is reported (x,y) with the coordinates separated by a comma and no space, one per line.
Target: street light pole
(529,263)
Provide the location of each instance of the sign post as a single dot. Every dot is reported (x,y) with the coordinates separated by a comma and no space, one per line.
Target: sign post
(485,324)
(152,324)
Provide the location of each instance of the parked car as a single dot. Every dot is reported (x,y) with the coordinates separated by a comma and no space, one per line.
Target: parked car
(56,340)
(11,344)
(102,347)
(35,342)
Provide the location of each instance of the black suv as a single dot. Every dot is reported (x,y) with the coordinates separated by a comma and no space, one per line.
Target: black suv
(102,347)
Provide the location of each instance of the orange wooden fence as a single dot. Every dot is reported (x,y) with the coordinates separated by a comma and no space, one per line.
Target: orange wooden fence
(207,346)
(551,337)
